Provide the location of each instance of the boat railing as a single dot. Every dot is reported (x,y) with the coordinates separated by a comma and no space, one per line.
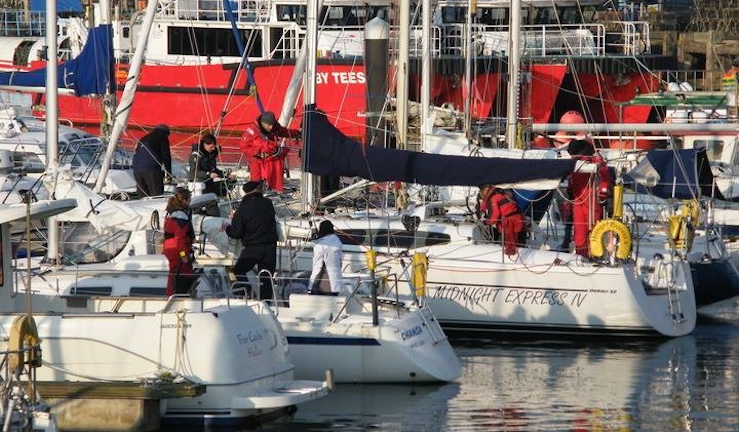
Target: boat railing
(491,40)
(628,38)
(213,10)
(16,22)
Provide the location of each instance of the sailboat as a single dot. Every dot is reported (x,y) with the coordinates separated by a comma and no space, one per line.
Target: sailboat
(348,334)
(236,349)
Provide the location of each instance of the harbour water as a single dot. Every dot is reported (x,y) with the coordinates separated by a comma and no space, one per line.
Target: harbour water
(684,384)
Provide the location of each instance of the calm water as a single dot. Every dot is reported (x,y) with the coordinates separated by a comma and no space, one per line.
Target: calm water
(685,384)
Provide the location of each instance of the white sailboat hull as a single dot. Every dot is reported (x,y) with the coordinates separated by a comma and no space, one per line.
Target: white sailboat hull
(549,298)
(474,288)
(239,355)
(406,346)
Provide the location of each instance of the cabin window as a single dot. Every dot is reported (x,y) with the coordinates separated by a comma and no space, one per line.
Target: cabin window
(393,238)
(28,162)
(714,148)
(292,13)
(218,42)
(82,244)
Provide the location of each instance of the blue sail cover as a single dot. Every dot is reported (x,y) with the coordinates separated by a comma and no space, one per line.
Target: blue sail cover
(89,73)
(680,174)
(331,153)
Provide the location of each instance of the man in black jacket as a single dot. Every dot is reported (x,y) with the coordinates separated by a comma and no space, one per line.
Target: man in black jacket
(254,224)
(152,161)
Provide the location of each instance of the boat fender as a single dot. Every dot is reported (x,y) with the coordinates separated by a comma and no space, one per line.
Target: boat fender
(420,265)
(597,243)
(23,335)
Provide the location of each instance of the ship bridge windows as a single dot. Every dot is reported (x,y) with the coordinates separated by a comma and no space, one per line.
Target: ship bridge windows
(332,16)
(216,42)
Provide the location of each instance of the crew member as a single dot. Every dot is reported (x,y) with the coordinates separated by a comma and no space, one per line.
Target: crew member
(179,236)
(588,191)
(261,147)
(503,213)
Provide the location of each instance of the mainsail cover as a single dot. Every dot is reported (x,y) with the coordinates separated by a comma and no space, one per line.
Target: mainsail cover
(329,152)
(89,73)
(680,174)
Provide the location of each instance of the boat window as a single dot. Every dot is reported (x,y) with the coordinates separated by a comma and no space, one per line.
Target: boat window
(453,15)
(82,244)
(492,16)
(147,291)
(91,291)
(714,148)
(354,237)
(292,13)
(409,239)
(28,162)
(212,42)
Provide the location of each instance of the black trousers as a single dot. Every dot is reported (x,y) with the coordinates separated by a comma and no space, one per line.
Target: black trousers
(149,182)
(264,256)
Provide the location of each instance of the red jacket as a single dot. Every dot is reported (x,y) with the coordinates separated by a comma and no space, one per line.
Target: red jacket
(584,184)
(497,206)
(178,234)
(260,144)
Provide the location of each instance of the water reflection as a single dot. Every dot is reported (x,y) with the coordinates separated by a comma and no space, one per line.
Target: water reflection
(683,384)
(374,407)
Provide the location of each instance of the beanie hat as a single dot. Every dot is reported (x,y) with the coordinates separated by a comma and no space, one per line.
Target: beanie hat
(268,118)
(163,127)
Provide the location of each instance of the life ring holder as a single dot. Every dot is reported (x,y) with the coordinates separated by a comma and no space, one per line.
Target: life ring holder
(597,244)
(24,345)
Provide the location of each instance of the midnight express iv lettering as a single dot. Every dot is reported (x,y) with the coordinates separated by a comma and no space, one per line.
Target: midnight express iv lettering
(521,297)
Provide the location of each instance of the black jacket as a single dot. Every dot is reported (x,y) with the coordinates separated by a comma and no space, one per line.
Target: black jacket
(254,221)
(152,152)
(202,163)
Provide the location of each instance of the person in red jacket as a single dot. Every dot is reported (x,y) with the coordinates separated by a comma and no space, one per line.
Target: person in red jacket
(587,190)
(501,211)
(261,146)
(179,236)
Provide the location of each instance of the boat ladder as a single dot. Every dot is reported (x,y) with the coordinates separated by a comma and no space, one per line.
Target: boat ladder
(432,324)
(666,277)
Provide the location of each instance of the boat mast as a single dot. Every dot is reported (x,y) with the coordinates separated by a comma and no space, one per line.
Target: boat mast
(514,66)
(401,90)
(471,9)
(109,98)
(52,121)
(426,73)
(296,82)
(123,111)
(308,180)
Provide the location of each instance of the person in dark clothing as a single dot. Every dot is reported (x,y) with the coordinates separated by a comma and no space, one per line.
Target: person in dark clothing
(179,236)
(152,162)
(254,224)
(203,165)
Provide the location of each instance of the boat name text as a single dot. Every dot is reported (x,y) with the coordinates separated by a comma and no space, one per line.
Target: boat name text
(415,331)
(472,295)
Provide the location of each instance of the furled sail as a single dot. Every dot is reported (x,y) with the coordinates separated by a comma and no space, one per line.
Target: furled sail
(330,152)
(89,73)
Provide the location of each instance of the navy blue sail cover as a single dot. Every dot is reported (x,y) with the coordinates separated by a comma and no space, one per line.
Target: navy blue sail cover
(330,152)
(679,174)
(90,73)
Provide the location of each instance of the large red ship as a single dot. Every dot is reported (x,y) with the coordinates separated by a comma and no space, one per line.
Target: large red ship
(576,55)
